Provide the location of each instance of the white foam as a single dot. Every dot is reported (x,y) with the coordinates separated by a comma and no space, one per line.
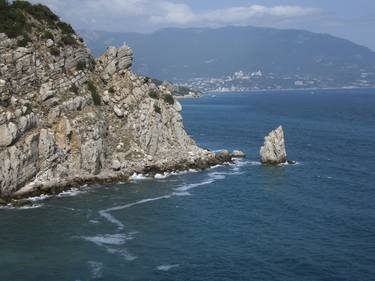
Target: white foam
(183,193)
(123,253)
(137,177)
(193,185)
(33,206)
(162,176)
(106,213)
(167,267)
(108,239)
(96,269)
(70,193)
(38,198)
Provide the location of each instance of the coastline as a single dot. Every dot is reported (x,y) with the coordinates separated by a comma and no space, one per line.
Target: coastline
(288,90)
(39,188)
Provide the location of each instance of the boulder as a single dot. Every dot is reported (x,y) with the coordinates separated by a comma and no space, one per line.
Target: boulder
(223,156)
(238,154)
(273,150)
(116,165)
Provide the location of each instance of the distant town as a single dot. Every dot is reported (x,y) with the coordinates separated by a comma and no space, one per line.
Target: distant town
(241,81)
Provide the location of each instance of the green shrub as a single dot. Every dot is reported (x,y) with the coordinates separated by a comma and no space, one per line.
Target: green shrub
(153,95)
(12,20)
(24,5)
(157,109)
(41,13)
(54,51)
(48,35)
(94,93)
(81,65)
(168,99)
(65,27)
(68,40)
(24,41)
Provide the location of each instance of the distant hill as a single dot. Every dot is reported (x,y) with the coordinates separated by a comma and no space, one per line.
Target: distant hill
(285,58)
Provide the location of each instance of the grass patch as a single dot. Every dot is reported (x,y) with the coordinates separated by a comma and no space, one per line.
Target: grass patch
(94,93)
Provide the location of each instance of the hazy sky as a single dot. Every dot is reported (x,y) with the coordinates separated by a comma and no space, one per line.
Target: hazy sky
(351,19)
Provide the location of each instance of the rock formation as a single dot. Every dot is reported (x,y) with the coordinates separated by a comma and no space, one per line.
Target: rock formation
(273,149)
(67,119)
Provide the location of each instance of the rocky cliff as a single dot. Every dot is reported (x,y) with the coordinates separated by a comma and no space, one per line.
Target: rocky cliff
(67,119)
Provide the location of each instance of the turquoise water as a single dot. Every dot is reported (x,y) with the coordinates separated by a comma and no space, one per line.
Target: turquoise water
(311,221)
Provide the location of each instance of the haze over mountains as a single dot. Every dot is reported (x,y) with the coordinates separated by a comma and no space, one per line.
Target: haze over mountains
(245,58)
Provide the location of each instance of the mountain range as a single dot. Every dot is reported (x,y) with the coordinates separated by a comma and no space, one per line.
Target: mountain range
(243,58)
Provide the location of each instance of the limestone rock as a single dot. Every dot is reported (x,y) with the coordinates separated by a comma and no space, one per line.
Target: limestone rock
(49,43)
(273,150)
(116,165)
(238,154)
(53,135)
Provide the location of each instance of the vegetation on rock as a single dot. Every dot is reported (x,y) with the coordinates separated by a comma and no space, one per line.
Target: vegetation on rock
(94,93)
(168,99)
(14,18)
(54,51)
(81,65)
(153,94)
(157,108)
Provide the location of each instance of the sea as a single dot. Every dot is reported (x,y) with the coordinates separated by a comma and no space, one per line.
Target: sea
(311,221)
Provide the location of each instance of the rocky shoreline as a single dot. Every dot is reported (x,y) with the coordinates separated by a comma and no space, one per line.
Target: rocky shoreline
(38,188)
(68,119)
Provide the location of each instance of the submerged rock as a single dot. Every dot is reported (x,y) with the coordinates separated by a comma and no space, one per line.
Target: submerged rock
(273,150)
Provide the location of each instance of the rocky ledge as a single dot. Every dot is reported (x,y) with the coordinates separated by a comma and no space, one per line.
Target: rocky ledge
(67,119)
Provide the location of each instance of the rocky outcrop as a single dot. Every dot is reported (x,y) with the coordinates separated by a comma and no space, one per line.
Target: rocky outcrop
(67,119)
(273,150)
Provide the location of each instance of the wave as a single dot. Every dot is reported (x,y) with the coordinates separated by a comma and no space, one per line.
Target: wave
(70,193)
(123,253)
(193,185)
(10,207)
(167,267)
(39,198)
(106,213)
(108,239)
(137,177)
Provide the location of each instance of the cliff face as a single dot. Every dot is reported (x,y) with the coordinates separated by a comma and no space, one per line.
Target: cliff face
(67,119)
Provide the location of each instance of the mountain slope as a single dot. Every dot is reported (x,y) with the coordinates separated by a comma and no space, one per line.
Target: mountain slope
(183,54)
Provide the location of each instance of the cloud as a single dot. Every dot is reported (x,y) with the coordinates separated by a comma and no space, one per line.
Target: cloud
(147,15)
(182,14)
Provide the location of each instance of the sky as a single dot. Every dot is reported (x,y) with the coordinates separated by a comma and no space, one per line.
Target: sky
(349,19)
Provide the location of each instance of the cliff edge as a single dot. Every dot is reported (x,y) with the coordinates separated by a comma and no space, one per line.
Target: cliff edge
(67,119)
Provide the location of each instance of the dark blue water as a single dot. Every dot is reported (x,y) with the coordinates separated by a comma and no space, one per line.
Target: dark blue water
(311,221)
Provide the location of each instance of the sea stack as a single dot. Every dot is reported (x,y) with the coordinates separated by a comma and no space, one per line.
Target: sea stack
(273,150)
